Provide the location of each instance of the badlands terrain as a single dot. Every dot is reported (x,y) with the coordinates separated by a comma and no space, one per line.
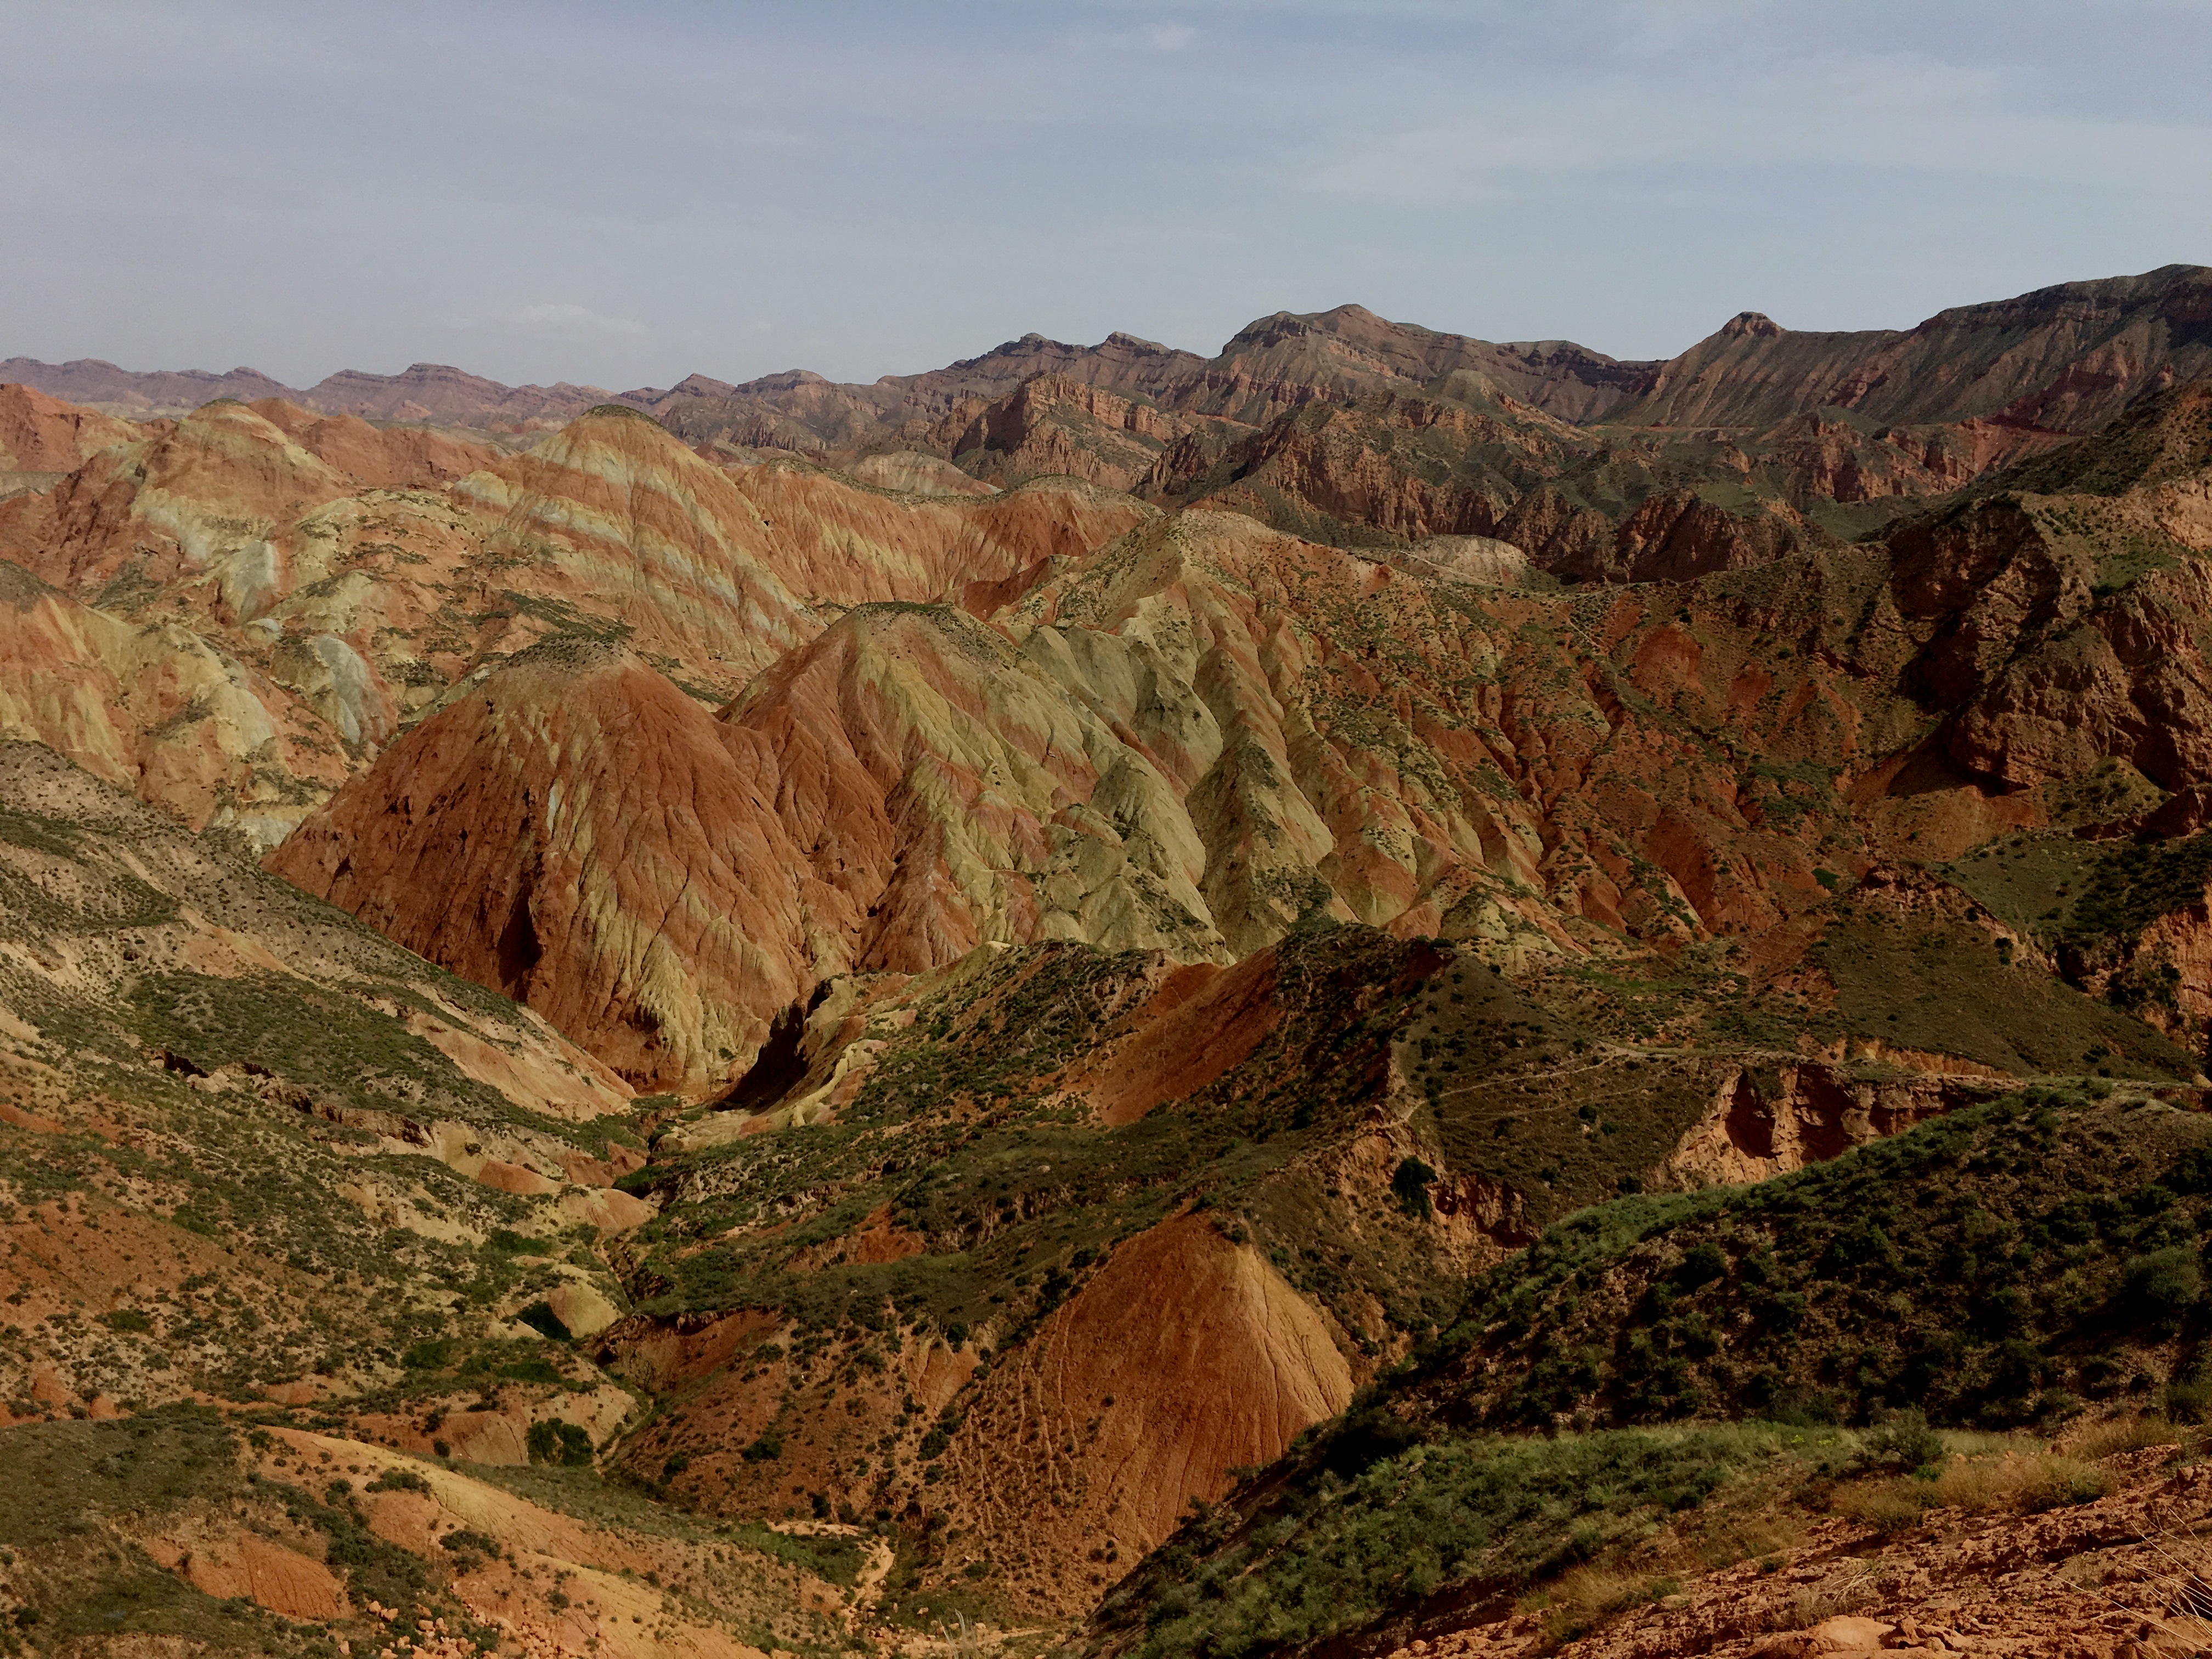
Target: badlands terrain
(1383,995)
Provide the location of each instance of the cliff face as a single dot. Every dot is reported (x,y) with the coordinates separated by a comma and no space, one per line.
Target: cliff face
(1802,418)
(1050,425)
(2069,358)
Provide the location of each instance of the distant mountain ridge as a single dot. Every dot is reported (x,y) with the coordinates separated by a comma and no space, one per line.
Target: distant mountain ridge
(1345,427)
(424,391)
(2068,356)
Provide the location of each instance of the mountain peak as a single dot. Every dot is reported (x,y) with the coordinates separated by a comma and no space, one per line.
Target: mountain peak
(700,386)
(1752,324)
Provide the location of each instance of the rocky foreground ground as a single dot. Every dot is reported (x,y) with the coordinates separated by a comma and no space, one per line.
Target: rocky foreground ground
(2122,1574)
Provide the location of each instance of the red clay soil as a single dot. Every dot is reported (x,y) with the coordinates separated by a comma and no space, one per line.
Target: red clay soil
(1204,1021)
(578,835)
(396,458)
(1185,1357)
(39,433)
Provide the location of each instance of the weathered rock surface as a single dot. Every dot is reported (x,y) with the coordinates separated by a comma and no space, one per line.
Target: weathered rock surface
(1188,1356)
(574,831)
(342,576)
(914,473)
(40,434)
(158,710)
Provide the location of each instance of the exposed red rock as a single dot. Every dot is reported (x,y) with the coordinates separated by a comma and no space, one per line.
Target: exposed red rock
(39,433)
(156,710)
(576,832)
(390,457)
(993,861)
(912,473)
(1051,425)
(1203,1021)
(1187,1356)
(354,572)
(199,503)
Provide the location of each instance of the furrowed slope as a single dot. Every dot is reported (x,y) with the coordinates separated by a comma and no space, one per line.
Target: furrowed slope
(574,832)
(159,710)
(341,578)
(255,1151)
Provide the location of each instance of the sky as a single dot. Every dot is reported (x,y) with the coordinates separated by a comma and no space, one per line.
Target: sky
(622,194)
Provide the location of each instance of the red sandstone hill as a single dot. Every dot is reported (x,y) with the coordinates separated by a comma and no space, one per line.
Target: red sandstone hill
(575,832)
(1122,968)
(1205,733)
(349,574)
(40,434)
(1190,740)
(1758,414)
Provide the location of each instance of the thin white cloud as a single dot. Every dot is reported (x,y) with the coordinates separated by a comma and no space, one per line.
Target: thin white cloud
(1889,114)
(1148,37)
(572,316)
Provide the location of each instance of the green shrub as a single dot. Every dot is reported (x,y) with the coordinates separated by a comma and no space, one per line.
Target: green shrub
(1705,1263)
(2061,1482)
(1469,1517)
(431,1356)
(2156,1290)
(555,1441)
(1904,1441)
(1410,1184)
(2189,1401)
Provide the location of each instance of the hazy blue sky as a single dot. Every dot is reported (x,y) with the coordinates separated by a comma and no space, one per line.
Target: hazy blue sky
(622,194)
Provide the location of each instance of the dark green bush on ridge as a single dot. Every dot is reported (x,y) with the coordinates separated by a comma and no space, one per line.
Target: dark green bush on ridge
(1333,1551)
(1983,1266)
(1410,1185)
(556,1441)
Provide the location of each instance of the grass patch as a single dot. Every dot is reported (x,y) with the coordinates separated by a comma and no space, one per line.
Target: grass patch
(1951,989)
(1996,1267)
(1359,1525)
(2026,1485)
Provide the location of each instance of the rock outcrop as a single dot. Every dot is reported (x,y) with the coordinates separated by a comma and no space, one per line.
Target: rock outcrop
(1186,1356)
(40,434)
